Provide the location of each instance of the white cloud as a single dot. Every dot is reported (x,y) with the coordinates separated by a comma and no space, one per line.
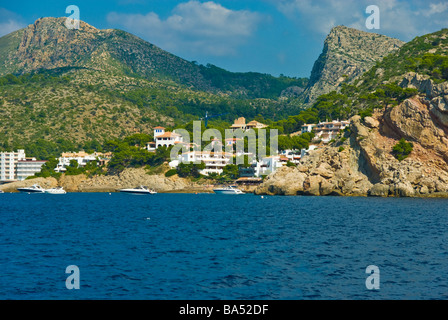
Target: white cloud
(9,22)
(193,27)
(399,18)
(435,8)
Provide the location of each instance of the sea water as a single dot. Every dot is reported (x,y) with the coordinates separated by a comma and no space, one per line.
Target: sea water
(208,246)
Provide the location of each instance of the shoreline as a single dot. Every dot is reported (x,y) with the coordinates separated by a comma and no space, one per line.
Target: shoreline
(131,178)
(437,195)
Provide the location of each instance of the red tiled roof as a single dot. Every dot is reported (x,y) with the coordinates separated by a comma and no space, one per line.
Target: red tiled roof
(168,135)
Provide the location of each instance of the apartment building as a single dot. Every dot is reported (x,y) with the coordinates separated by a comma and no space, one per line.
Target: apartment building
(8,165)
(28,167)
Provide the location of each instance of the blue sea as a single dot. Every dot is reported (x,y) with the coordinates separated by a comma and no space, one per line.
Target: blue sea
(210,247)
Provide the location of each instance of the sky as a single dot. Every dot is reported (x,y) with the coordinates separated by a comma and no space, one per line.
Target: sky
(268,36)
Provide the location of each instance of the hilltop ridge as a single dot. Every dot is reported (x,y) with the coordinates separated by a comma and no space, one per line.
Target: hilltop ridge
(48,44)
(347,54)
(59,83)
(401,100)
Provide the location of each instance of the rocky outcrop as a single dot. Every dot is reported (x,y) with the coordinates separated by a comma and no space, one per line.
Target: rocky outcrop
(365,164)
(347,54)
(326,171)
(45,183)
(129,178)
(436,94)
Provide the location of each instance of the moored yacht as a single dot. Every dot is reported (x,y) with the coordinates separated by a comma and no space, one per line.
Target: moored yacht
(35,188)
(228,190)
(59,190)
(139,190)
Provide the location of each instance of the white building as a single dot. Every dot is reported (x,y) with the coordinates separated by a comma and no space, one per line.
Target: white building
(82,158)
(28,167)
(158,131)
(255,125)
(8,164)
(240,123)
(268,165)
(293,156)
(327,131)
(151,146)
(308,127)
(165,138)
(214,161)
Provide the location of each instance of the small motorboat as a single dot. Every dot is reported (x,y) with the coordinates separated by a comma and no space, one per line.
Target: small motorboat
(59,190)
(139,190)
(35,188)
(228,190)
(1,191)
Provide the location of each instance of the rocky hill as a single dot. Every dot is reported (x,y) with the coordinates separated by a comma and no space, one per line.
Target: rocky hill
(347,54)
(361,162)
(48,44)
(86,84)
(403,97)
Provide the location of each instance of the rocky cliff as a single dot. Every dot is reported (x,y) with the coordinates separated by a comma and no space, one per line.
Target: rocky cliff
(361,162)
(347,54)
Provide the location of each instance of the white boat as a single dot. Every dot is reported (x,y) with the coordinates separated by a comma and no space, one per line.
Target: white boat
(35,188)
(139,190)
(59,190)
(1,191)
(228,190)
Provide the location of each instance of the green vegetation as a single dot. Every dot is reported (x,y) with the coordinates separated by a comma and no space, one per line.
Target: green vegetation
(413,56)
(402,149)
(60,105)
(231,171)
(126,156)
(114,84)
(90,169)
(185,170)
(48,170)
(170,173)
(290,164)
(295,142)
(256,85)
(434,65)
(331,106)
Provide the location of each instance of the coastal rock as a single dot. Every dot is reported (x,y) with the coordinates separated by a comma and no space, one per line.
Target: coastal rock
(379,190)
(286,181)
(129,178)
(366,164)
(311,186)
(45,183)
(402,189)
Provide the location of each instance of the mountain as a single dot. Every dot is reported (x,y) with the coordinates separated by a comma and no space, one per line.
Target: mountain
(397,144)
(92,84)
(48,44)
(347,54)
